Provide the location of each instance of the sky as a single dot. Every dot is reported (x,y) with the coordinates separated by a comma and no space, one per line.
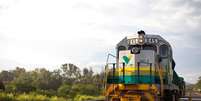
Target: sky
(48,33)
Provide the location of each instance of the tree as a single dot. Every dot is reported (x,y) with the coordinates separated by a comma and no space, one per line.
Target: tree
(198,84)
(2,87)
(83,89)
(70,73)
(67,81)
(64,90)
(46,80)
(23,83)
(55,79)
(18,71)
(98,81)
(42,78)
(6,76)
(87,76)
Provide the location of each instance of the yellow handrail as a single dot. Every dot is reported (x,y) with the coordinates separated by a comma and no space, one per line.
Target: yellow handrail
(160,71)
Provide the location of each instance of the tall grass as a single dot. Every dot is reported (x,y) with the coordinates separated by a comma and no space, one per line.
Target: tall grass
(40,97)
(87,98)
(28,97)
(7,97)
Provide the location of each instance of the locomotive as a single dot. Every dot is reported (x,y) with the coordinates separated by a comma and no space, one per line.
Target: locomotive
(143,71)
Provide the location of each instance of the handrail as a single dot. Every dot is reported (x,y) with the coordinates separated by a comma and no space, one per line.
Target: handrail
(150,72)
(106,67)
(113,71)
(123,72)
(109,56)
(138,71)
(161,78)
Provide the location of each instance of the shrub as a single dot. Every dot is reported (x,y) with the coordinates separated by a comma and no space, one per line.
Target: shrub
(24,97)
(29,97)
(46,92)
(64,90)
(55,98)
(6,97)
(10,88)
(87,98)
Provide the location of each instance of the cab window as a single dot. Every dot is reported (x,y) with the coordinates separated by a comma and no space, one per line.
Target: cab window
(121,48)
(150,47)
(163,51)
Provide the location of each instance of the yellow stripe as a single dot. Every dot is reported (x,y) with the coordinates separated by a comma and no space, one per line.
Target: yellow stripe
(132,70)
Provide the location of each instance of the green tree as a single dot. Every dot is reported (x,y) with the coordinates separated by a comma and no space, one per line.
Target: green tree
(56,79)
(87,76)
(83,89)
(6,76)
(18,71)
(198,84)
(2,87)
(66,81)
(70,73)
(23,83)
(98,81)
(46,80)
(42,78)
(64,90)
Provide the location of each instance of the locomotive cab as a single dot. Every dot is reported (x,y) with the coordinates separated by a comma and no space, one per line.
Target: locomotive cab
(138,63)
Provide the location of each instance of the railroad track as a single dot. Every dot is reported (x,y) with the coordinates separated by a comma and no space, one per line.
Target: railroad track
(188,98)
(191,96)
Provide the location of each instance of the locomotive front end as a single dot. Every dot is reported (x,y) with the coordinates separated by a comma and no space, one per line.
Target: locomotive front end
(144,69)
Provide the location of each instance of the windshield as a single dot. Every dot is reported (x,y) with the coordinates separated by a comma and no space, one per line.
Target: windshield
(144,47)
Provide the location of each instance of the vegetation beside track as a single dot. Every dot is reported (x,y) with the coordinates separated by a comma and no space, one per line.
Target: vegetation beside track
(68,83)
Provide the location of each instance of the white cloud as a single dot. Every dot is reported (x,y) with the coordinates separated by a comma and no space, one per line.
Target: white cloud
(51,32)
(190,75)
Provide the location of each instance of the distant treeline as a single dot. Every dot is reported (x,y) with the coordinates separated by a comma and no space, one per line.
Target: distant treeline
(68,81)
(194,87)
(198,85)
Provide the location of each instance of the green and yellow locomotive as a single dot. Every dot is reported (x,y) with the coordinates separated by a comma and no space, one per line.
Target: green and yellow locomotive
(144,71)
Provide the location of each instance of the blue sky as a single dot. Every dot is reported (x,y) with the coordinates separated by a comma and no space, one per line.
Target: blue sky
(48,33)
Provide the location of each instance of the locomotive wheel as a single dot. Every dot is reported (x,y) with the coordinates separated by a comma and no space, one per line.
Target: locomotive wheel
(176,96)
(171,96)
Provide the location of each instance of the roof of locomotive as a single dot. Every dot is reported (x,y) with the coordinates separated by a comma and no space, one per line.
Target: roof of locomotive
(160,40)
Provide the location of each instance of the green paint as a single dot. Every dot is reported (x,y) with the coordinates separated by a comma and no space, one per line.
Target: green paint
(143,79)
(126,59)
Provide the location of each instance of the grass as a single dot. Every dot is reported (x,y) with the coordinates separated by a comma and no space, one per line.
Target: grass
(87,98)
(40,97)
(29,97)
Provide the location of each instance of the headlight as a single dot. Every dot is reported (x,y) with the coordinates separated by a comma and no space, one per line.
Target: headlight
(135,50)
(141,41)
